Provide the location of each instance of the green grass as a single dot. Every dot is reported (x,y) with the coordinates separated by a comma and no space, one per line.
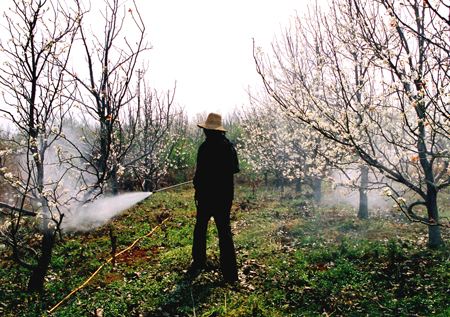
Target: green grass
(295,259)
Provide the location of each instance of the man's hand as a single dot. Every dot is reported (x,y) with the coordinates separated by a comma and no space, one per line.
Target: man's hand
(196,199)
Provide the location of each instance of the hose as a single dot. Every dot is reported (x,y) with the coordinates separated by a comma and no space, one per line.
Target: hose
(52,310)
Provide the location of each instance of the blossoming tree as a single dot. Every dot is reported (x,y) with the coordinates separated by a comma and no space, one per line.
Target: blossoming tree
(273,144)
(37,99)
(373,77)
(156,141)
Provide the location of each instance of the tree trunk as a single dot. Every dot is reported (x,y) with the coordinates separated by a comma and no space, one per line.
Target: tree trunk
(254,186)
(114,182)
(36,282)
(277,180)
(148,185)
(434,231)
(298,185)
(363,211)
(317,189)
(434,236)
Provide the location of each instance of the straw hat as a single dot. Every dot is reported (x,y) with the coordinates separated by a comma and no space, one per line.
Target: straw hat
(213,122)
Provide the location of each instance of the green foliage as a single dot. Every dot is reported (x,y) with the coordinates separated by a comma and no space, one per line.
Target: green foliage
(182,158)
(294,259)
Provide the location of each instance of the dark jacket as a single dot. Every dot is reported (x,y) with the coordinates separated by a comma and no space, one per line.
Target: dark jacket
(216,163)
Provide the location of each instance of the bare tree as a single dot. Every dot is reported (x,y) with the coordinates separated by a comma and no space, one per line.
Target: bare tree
(107,94)
(394,117)
(156,136)
(36,100)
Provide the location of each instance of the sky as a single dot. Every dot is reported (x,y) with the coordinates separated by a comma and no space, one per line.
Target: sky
(205,46)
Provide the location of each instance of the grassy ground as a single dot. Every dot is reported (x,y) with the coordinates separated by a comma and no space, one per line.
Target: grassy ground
(295,259)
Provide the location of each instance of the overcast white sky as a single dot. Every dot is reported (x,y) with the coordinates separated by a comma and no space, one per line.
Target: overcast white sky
(206,46)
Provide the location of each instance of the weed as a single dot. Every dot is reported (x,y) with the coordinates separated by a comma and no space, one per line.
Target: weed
(295,259)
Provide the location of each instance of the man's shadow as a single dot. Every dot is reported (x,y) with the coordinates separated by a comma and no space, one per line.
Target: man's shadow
(189,293)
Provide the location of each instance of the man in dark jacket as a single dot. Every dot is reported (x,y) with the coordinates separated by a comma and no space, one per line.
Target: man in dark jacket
(214,190)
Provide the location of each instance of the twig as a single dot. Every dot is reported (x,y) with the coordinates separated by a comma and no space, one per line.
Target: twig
(193,302)
(20,210)
(113,238)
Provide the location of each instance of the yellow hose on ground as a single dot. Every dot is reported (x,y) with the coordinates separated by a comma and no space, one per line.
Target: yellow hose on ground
(50,311)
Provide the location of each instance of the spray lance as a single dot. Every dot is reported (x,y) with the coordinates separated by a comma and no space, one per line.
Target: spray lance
(115,255)
(112,234)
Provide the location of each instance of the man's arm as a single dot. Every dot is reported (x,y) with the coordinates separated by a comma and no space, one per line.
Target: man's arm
(234,159)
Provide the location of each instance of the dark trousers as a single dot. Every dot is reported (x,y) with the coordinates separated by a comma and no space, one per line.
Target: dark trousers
(221,214)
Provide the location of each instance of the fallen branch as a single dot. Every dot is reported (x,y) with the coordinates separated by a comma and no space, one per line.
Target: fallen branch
(24,212)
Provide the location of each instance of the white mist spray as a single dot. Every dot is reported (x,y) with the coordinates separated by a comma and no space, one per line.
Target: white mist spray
(88,216)
(68,185)
(346,192)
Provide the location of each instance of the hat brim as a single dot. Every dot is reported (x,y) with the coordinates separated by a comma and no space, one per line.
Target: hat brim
(209,127)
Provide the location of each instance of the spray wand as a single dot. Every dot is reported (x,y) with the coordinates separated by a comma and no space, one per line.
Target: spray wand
(115,255)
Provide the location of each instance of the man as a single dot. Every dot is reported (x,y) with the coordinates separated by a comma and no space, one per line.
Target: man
(214,190)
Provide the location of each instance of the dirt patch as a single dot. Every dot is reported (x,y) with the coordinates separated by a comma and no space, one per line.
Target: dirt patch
(136,255)
(112,277)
